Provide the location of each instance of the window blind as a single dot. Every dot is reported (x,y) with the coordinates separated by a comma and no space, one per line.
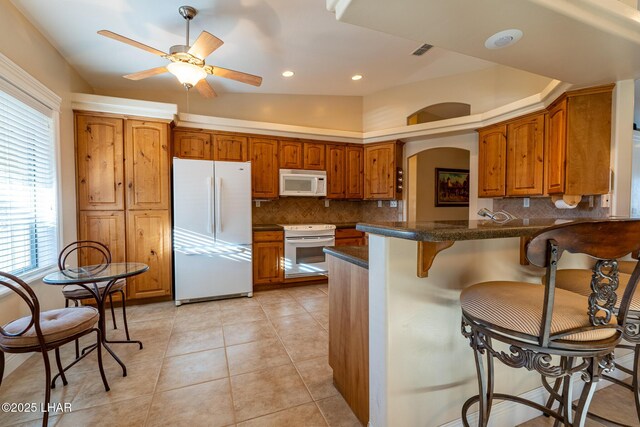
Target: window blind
(28,192)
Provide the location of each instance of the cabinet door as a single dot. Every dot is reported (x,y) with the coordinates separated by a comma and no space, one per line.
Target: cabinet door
(267,262)
(314,155)
(525,145)
(291,155)
(335,171)
(353,241)
(147,165)
(492,151)
(100,163)
(230,148)
(106,227)
(192,145)
(380,171)
(264,168)
(354,172)
(555,148)
(149,241)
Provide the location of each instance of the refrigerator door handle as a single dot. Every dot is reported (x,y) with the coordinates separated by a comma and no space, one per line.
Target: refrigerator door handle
(210,221)
(218,213)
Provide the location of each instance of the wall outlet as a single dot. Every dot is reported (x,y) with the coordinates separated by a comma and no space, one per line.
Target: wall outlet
(379,203)
(326,203)
(393,204)
(257,203)
(525,202)
(605,200)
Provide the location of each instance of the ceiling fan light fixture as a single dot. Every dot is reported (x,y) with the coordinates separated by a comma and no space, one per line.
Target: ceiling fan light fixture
(187,74)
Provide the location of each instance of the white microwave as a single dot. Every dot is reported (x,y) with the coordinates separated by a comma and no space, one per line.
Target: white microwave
(297,182)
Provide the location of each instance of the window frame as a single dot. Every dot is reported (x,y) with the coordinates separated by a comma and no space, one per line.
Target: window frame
(21,85)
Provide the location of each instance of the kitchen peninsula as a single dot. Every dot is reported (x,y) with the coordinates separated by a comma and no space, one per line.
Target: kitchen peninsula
(421,369)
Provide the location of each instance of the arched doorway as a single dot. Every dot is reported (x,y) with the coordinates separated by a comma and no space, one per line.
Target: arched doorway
(422,200)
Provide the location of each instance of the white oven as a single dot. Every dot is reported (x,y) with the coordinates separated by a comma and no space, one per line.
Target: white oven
(303,244)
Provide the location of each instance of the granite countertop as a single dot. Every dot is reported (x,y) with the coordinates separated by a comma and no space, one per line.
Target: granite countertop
(358,255)
(439,231)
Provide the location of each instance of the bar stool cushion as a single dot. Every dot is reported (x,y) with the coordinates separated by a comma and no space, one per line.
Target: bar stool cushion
(579,281)
(517,306)
(78,292)
(56,325)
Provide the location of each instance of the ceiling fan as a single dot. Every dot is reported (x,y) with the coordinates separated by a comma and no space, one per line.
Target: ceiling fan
(187,62)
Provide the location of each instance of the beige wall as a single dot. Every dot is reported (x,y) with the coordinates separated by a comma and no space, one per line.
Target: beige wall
(426,163)
(31,51)
(326,112)
(484,90)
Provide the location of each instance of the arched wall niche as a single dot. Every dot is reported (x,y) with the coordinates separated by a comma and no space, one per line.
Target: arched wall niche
(441,111)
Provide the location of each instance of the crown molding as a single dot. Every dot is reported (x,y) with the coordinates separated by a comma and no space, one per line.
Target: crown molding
(27,84)
(129,107)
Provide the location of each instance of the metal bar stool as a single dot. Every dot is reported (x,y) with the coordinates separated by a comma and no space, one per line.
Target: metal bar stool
(580,282)
(539,322)
(42,331)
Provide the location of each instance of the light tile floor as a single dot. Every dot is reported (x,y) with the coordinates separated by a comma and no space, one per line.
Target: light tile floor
(258,361)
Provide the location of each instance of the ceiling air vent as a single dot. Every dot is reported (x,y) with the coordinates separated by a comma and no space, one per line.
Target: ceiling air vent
(422,49)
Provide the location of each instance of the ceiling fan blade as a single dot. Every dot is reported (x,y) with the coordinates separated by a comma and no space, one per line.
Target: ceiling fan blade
(234,75)
(130,42)
(146,73)
(205,89)
(204,45)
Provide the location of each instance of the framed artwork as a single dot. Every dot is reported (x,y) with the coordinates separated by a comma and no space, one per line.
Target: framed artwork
(452,187)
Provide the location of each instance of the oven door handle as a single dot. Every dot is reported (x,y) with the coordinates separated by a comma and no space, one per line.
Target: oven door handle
(295,241)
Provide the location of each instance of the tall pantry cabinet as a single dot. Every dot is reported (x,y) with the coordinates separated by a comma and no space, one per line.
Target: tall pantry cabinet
(123,187)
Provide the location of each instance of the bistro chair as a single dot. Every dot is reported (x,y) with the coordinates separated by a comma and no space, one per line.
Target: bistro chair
(90,252)
(42,331)
(538,322)
(579,281)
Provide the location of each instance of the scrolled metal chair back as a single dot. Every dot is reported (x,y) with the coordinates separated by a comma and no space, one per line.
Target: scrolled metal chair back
(25,292)
(85,250)
(606,241)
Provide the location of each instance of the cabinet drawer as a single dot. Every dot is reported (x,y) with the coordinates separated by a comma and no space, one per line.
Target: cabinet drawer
(268,236)
(347,233)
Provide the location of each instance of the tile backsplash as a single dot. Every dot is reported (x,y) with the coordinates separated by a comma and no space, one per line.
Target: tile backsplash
(302,210)
(542,207)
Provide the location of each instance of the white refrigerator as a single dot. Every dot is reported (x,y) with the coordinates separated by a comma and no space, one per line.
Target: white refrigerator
(211,229)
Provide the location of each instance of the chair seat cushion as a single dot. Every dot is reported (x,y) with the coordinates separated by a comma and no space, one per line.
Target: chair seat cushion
(56,325)
(78,292)
(517,306)
(579,281)
(626,266)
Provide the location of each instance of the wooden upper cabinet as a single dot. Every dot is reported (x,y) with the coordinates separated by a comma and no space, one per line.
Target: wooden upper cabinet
(492,151)
(336,168)
(579,142)
(291,155)
(192,145)
(147,165)
(555,148)
(231,148)
(380,162)
(314,156)
(354,172)
(525,148)
(100,163)
(106,227)
(263,153)
(149,242)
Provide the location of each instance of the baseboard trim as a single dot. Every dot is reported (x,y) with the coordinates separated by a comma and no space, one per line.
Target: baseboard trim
(508,413)
(13,361)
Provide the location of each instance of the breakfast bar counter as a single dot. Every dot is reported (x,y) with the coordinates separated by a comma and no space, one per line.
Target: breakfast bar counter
(421,369)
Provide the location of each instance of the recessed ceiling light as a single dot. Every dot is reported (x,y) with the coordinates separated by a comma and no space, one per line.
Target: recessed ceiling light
(503,39)
(356,77)
(287,73)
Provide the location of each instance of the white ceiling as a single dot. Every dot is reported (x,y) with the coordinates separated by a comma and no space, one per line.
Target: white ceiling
(583,42)
(263,37)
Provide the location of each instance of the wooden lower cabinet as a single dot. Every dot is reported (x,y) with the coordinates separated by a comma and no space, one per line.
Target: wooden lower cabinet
(268,257)
(349,333)
(149,242)
(350,237)
(106,227)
